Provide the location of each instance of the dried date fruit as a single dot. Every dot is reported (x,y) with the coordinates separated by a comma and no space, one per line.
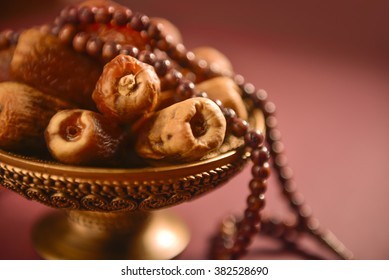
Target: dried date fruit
(43,62)
(83,137)
(183,132)
(168,30)
(127,89)
(216,60)
(24,115)
(5,61)
(218,88)
(225,90)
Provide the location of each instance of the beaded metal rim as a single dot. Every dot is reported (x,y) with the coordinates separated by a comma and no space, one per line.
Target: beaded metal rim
(104,189)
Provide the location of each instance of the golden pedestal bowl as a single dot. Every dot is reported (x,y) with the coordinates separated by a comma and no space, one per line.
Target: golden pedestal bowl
(109,213)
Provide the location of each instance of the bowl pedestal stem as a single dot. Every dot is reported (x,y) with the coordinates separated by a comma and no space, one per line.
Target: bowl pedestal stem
(93,235)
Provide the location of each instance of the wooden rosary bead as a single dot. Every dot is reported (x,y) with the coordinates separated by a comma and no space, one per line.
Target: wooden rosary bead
(277,230)
(63,13)
(230,115)
(219,103)
(140,22)
(290,236)
(94,46)
(259,97)
(286,173)
(239,80)
(284,230)
(249,228)
(129,50)
(269,107)
(252,216)
(162,67)
(121,17)
(162,45)
(71,15)
(254,138)
(258,186)
(173,77)
(147,57)
(280,160)
(201,94)
(179,53)
(239,127)
(275,135)
(185,90)
(271,122)
(260,156)
(201,69)
(54,30)
(85,15)
(66,33)
(154,31)
(109,51)
(102,15)
(80,41)
(290,186)
(255,202)
(59,21)
(277,146)
(297,200)
(313,224)
(238,250)
(305,211)
(243,240)
(248,89)
(261,171)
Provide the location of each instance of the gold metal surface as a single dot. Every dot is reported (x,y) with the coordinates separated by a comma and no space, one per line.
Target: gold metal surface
(101,189)
(119,200)
(97,235)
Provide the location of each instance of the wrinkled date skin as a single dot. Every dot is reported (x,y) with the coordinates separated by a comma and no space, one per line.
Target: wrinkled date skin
(127,89)
(24,115)
(42,61)
(225,90)
(5,61)
(183,132)
(216,60)
(83,137)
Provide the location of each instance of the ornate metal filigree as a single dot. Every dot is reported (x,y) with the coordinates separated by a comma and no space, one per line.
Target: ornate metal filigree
(74,193)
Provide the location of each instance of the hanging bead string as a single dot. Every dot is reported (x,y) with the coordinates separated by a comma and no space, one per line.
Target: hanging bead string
(280,229)
(306,221)
(152,33)
(289,234)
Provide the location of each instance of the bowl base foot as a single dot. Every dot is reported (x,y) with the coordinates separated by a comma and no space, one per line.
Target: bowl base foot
(84,235)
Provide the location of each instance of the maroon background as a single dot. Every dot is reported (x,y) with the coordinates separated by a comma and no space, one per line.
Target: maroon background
(325,66)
